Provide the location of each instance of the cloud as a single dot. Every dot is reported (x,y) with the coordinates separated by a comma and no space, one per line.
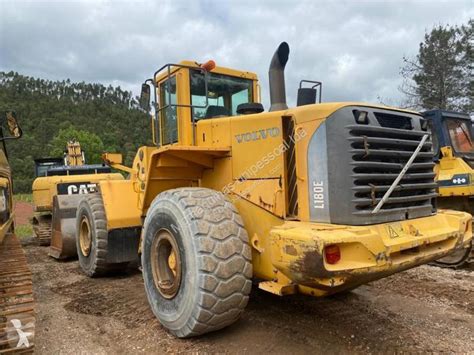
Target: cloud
(354,47)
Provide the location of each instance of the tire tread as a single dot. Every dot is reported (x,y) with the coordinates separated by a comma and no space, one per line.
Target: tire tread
(220,242)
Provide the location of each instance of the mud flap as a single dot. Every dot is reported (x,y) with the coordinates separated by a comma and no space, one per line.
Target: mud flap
(63,236)
(122,245)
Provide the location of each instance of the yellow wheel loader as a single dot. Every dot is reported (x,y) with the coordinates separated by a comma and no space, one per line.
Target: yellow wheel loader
(315,199)
(17,315)
(454,157)
(56,178)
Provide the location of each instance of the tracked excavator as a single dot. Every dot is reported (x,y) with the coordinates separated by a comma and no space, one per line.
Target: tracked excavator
(454,157)
(57,177)
(17,307)
(315,199)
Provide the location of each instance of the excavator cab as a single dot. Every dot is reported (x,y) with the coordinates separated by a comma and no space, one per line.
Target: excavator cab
(453,147)
(453,130)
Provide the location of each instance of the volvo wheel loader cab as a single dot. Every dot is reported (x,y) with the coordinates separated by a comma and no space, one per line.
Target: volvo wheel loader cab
(315,199)
(454,157)
(16,291)
(54,218)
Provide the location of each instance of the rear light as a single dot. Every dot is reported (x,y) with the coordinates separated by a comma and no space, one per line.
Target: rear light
(332,254)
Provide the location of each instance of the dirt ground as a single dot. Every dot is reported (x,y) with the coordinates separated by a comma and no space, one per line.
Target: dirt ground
(23,212)
(426,309)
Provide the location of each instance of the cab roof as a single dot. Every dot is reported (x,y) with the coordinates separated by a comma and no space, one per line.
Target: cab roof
(219,70)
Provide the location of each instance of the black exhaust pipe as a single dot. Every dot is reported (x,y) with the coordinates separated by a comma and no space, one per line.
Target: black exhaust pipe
(276,74)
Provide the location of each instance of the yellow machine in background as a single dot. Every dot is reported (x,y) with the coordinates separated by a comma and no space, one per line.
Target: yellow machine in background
(74,156)
(58,177)
(16,291)
(454,156)
(315,199)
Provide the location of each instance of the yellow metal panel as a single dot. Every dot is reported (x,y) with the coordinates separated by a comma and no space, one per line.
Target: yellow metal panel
(221,134)
(173,166)
(446,169)
(258,223)
(204,133)
(218,178)
(214,132)
(265,193)
(45,188)
(367,252)
(121,204)
(257,146)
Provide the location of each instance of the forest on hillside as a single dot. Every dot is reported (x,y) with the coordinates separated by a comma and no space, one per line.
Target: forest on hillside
(103,118)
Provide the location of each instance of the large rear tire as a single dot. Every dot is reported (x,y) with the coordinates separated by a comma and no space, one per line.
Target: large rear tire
(196,261)
(92,238)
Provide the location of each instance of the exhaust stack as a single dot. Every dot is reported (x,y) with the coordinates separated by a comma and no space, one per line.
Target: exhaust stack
(276,74)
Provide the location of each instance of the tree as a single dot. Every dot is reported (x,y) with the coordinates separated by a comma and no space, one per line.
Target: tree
(46,107)
(91,144)
(438,77)
(467,64)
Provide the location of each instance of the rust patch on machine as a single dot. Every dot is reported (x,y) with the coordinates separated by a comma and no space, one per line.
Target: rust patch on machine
(290,250)
(264,204)
(310,265)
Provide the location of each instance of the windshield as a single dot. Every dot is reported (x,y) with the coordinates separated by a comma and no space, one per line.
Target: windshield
(460,134)
(225,93)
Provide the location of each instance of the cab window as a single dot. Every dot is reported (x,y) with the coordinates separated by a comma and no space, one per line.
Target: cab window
(169,124)
(225,93)
(460,134)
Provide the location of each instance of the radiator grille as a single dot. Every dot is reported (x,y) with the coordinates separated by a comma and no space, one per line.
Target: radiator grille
(379,153)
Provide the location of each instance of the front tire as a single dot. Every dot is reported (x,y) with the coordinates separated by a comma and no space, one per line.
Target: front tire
(196,261)
(92,238)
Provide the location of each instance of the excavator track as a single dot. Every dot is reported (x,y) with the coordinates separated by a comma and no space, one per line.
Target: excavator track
(42,229)
(17,306)
(466,261)
(460,259)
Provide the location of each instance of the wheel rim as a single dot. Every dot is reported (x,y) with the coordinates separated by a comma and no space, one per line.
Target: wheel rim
(166,263)
(85,238)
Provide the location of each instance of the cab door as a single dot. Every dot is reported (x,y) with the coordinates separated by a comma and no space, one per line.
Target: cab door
(168,111)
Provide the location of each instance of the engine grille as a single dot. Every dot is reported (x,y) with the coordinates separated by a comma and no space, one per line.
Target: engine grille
(379,153)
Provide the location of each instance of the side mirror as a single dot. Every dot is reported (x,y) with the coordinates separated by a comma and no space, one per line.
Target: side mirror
(306,96)
(10,124)
(145,97)
(309,95)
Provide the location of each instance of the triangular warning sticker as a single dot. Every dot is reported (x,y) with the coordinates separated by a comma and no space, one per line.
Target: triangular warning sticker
(392,233)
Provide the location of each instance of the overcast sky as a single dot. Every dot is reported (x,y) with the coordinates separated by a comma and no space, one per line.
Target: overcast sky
(354,47)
